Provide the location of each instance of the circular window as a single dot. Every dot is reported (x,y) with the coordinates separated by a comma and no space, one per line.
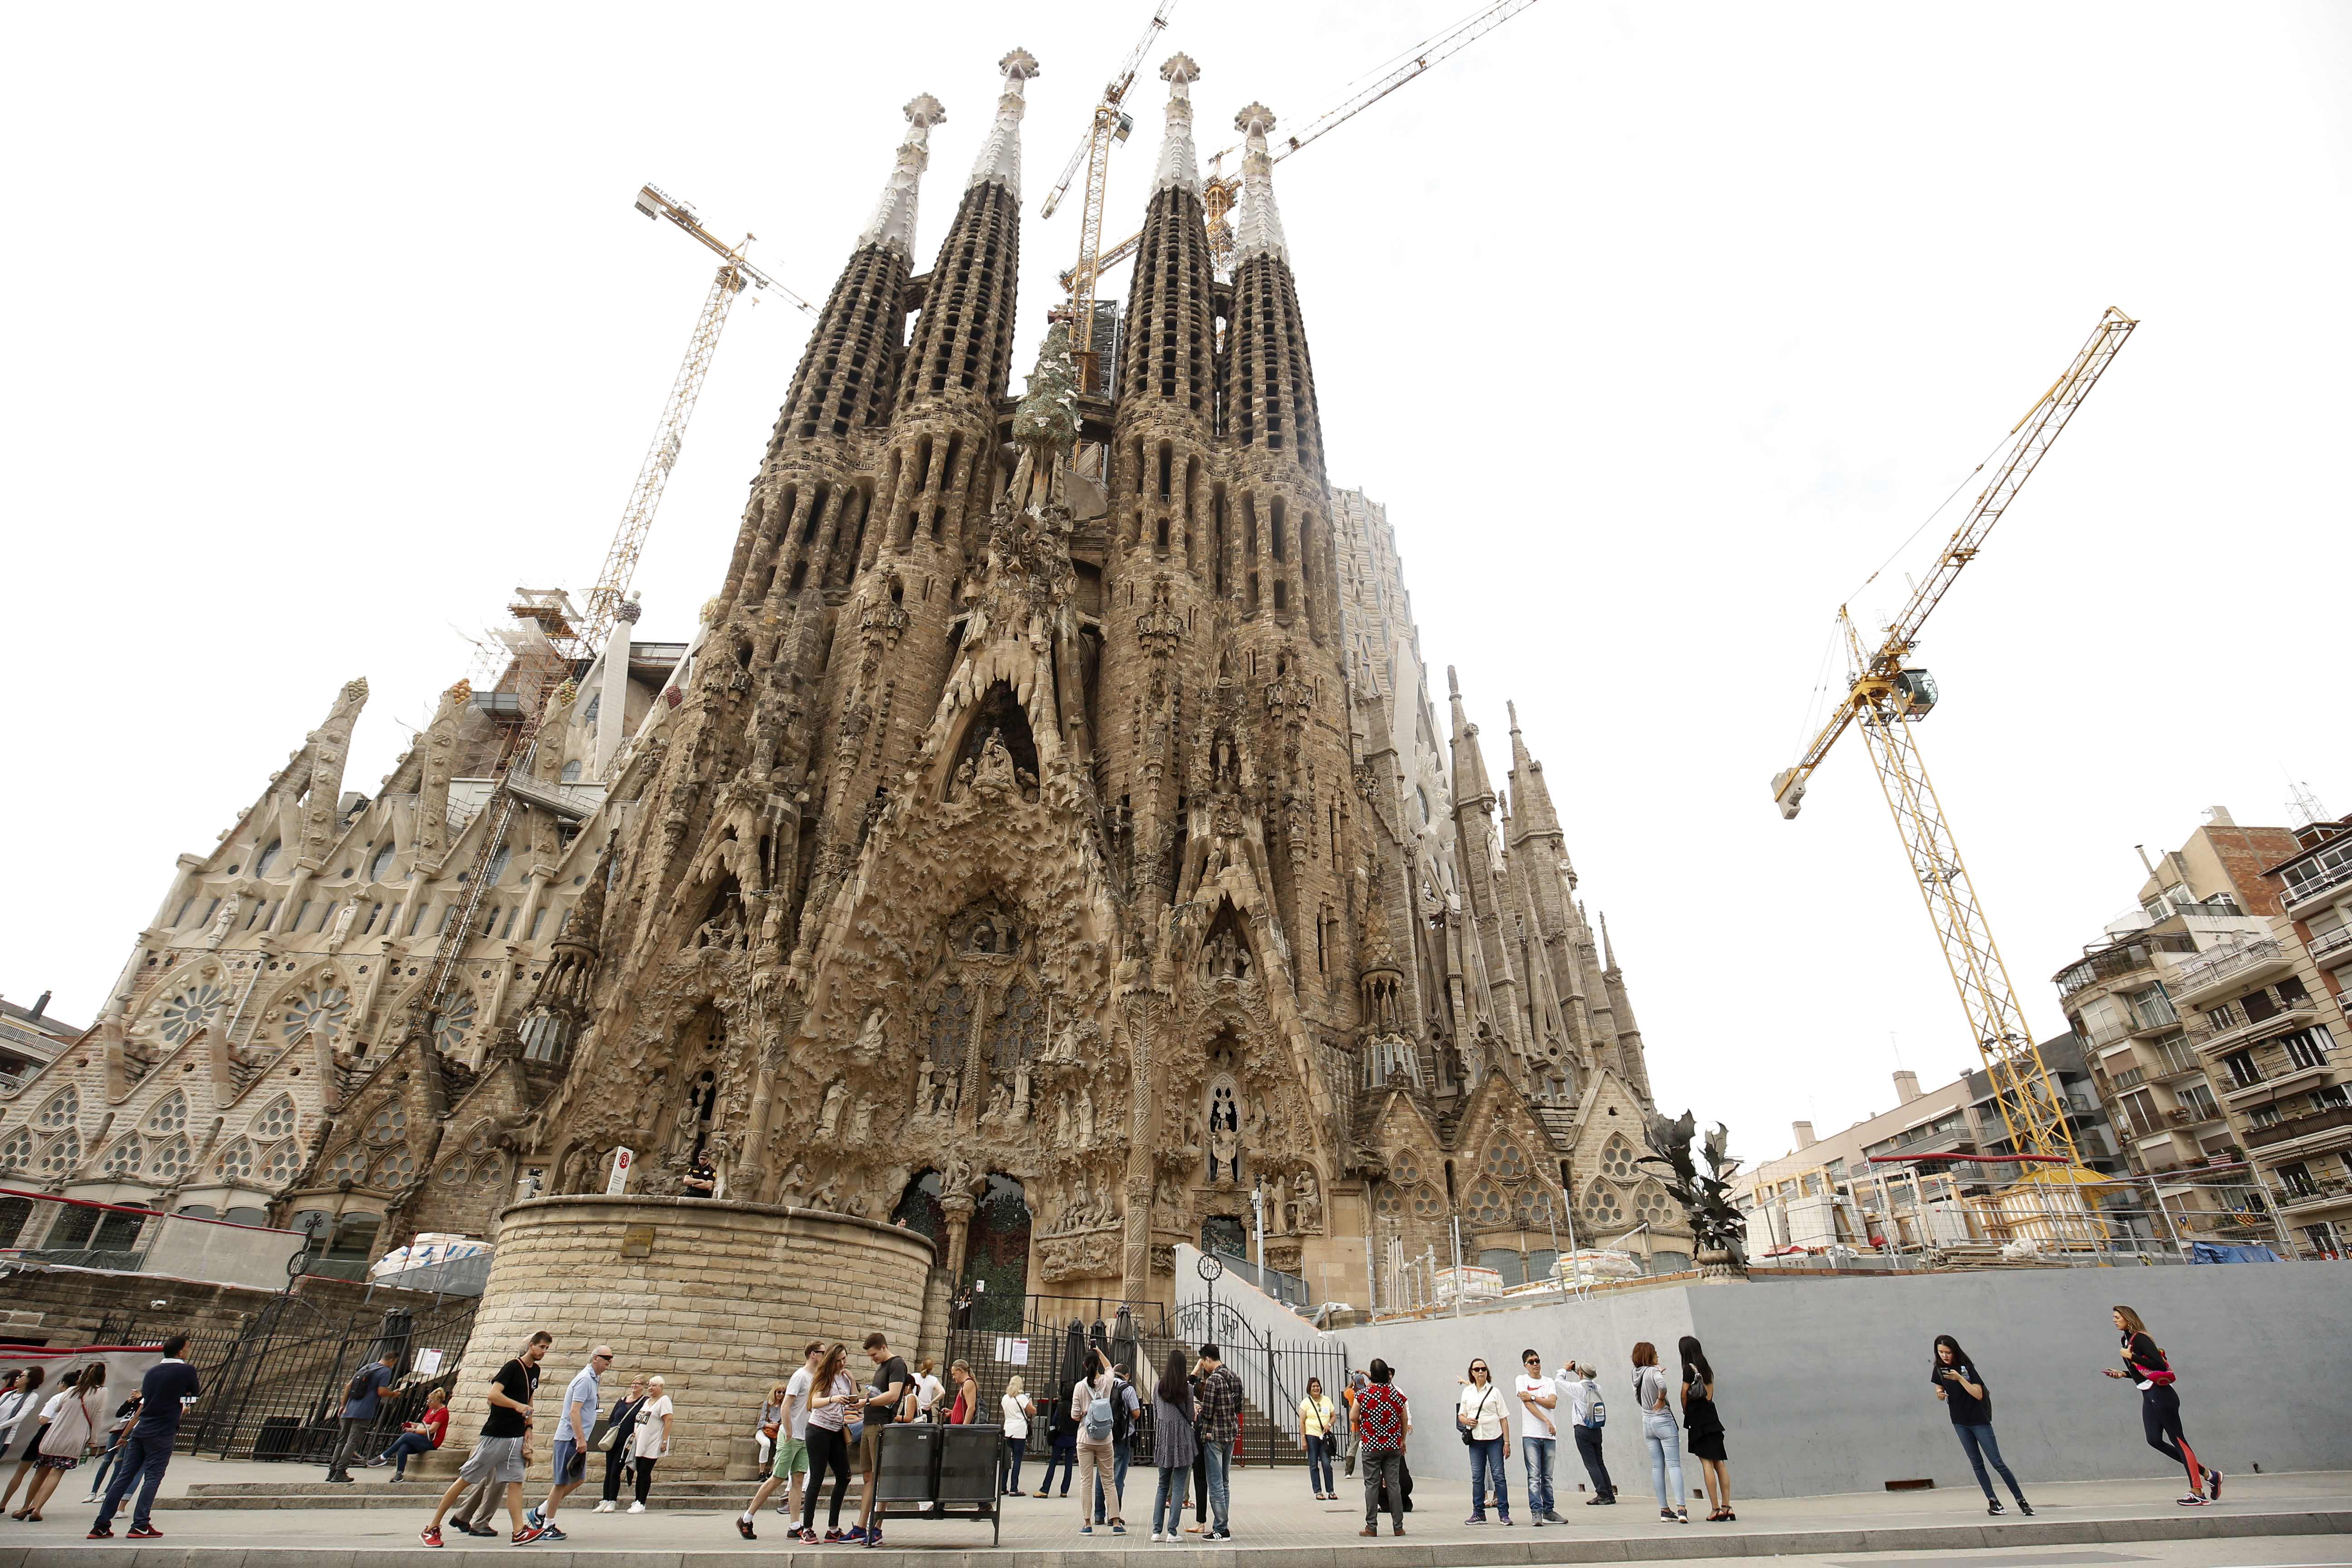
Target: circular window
(16,1150)
(123,1160)
(189,1009)
(387,1125)
(449,1030)
(322,1007)
(348,1166)
(1390,1205)
(1651,1202)
(394,1169)
(1428,1202)
(170,1115)
(1617,1159)
(171,1161)
(62,1155)
(1505,1162)
(277,1121)
(1601,1203)
(1487,1207)
(1403,1171)
(62,1110)
(280,1168)
(456,1172)
(236,1162)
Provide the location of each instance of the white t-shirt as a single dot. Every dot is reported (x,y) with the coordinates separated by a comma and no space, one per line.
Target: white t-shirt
(796,1403)
(927,1390)
(1016,1419)
(651,1444)
(1531,1416)
(1483,1409)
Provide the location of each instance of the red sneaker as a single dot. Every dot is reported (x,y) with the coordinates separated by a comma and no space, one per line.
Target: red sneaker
(145,1532)
(430,1535)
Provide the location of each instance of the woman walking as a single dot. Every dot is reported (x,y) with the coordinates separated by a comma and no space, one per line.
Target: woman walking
(833,1393)
(2159,1407)
(1658,1432)
(1174,1445)
(618,1434)
(1967,1401)
(653,1437)
(1319,1427)
(1705,1428)
(1479,1412)
(1018,1409)
(73,1425)
(1091,1404)
(420,1436)
(21,1418)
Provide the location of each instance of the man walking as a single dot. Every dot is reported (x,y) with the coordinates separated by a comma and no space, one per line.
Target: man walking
(891,1381)
(498,1456)
(1126,1404)
(362,1398)
(1538,1397)
(1585,1414)
(1220,1427)
(169,1386)
(792,1462)
(572,1430)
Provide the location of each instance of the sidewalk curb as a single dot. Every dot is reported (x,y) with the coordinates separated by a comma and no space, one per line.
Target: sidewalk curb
(1474,1555)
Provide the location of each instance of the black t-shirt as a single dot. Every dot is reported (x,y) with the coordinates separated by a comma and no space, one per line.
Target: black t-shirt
(1966,1409)
(882,1407)
(517,1382)
(166,1383)
(2141,1354)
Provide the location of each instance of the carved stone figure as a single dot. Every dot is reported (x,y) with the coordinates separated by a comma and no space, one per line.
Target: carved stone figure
(1309,1202)
(1225,1140)
(1086,1119)
(870,1038)
(828,1120)
(861,1121)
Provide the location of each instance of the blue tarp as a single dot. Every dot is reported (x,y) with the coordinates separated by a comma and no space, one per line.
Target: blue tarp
(2214,1252)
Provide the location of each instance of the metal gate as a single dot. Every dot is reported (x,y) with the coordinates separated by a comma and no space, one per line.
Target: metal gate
(273,1388)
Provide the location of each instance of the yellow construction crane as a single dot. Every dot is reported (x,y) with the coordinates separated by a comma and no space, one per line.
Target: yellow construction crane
(1886,697)
(553,638)
(1218,189)
(1110,126)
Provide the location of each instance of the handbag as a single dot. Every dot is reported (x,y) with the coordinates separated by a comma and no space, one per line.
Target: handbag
(1470,1432)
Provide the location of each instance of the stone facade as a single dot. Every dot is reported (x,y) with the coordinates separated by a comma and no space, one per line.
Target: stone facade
(717,1298)
(1041,840)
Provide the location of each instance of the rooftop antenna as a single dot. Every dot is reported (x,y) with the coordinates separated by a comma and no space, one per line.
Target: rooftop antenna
(2303,807)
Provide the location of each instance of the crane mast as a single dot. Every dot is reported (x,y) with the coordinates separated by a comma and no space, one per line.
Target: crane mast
(1887,700)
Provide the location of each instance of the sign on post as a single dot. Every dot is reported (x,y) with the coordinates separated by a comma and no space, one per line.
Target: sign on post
(618,1182)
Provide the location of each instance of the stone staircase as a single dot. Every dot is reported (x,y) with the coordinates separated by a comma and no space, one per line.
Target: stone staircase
(373,1490)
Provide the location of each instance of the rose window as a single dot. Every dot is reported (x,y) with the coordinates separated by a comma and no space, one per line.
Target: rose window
(388,1125)
(1651,1202)
(236,1162)
(170,1115)
(349,1164)
(62,1155)
(322,1007)
(1390,1205)
(190,1009)
(1427,1203)
(1617,1159)
(280,1168)
(123,1160)
(1404,1172)
(456,1172)
(394,1169)
(450,1028)
(1489,1210)
(61,1111)
(16,1153)
(276,1121)
(1536,1207)
(1601,1203)
(171,1161)
(1504,1162)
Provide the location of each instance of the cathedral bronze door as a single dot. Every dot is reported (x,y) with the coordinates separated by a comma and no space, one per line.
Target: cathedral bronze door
(996,1258)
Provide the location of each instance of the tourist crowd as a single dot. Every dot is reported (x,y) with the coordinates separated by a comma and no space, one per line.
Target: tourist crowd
(824,1418)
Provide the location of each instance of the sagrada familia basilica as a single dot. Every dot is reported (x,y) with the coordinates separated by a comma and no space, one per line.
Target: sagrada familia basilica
(1043,840)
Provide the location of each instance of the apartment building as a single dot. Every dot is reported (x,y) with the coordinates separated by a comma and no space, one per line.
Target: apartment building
(2199,907)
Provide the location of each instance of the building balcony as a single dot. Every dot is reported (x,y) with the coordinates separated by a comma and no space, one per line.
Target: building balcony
(2218,1043)
(2322,888)
(2292,1081)
(2325,948)
(2329,1192)
(2314,1127)
(2236,967)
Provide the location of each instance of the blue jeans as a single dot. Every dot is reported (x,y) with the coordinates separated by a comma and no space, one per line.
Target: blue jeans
(143,1459)
(1065,1454)
(1121,1453)
(1168,1507)
(1319,1466)
(1536,1455)
(405,1446)
(1015,1447)
(1666,1441)
(1487,1461)
(1221,1468)
(1978,1441)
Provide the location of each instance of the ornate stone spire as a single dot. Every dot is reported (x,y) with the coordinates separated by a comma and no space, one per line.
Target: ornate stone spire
(999,153)
(1179,165)
(1257,224)
(1528,791)
(1470,785)
(893,224)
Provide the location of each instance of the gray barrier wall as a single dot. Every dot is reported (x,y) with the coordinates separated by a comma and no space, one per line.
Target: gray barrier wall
(1822,1383)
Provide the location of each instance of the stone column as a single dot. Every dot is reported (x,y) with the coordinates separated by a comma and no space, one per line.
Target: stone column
(958,1207)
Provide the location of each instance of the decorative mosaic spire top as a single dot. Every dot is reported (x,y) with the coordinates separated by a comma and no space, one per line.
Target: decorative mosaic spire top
(1000,155)
(1179,165)
(1258,225)
(893,224)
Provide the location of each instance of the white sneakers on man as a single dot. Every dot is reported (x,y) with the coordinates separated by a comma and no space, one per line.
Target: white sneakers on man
(605,1506)
(636,1507)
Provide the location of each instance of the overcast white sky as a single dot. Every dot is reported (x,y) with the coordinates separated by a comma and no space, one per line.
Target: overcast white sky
(1656,327)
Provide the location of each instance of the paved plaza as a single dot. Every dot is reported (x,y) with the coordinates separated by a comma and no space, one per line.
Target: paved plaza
(1276,1525)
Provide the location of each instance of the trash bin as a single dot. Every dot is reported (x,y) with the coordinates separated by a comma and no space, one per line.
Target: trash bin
(908,1463)
(969,1466)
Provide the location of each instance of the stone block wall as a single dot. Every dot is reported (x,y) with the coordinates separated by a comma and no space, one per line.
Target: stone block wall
(717,1298)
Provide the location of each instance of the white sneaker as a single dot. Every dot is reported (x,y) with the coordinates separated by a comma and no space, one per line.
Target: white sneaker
(604,1507)
(1157,1536)
(636,1507)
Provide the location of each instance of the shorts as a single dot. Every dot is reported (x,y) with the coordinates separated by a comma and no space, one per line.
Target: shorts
(791,1459)
(493,1459)
(571,1463)
(869,1445)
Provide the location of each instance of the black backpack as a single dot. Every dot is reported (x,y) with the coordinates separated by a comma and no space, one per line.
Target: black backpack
(362,1383)
(1123,1401)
